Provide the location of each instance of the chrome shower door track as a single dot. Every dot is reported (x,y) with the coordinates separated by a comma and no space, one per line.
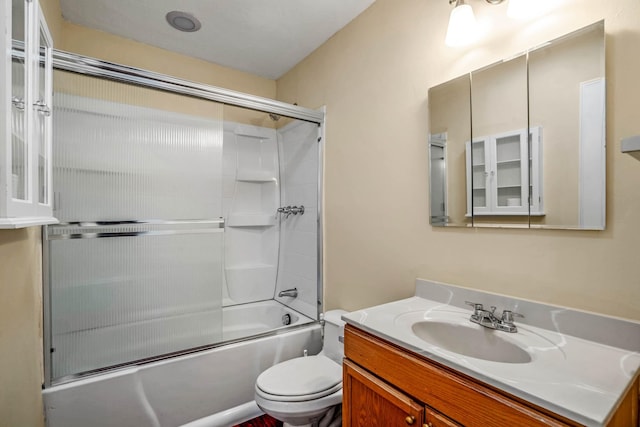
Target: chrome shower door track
(97,68)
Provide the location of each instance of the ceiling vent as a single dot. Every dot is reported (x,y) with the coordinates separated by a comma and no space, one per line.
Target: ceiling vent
(183,21)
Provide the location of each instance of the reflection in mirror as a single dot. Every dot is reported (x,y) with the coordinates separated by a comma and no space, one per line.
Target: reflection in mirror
(437,165)
(497,160)
(450,127)
(567,100)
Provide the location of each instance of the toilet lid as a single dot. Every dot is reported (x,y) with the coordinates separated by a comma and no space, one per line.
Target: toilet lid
(300,377)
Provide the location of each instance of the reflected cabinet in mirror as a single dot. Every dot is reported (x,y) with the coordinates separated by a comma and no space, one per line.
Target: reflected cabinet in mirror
(521,143)
(497,165)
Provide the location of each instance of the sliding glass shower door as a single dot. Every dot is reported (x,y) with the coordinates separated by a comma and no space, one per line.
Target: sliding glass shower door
(135,267)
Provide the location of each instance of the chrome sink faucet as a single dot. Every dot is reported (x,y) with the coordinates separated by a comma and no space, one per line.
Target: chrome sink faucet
(488,319)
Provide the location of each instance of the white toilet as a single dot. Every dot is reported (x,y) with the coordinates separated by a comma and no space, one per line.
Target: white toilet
(304,390)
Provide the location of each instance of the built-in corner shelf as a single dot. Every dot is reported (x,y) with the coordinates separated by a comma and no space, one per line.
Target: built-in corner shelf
(257,267)
(15,223)
(630,144)
(259,176)
(251,236)
(251,219)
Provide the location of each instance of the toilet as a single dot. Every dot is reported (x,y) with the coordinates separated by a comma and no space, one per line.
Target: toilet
(307,391)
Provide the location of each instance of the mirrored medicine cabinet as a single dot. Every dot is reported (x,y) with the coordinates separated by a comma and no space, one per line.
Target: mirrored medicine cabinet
(521,143)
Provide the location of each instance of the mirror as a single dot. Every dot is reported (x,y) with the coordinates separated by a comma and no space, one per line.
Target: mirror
(497,171)
(567,102)
(521,143)
(450,124)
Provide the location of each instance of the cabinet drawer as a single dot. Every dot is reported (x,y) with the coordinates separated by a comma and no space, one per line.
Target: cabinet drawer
(460,397)
(433,418)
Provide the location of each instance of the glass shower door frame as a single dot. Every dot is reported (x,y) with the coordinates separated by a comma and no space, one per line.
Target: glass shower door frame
(97,68)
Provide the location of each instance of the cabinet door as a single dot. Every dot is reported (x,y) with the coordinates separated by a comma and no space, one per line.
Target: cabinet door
(42,107)
(509,174)
(369,401)
(478,177)
(19,178)
(498,170)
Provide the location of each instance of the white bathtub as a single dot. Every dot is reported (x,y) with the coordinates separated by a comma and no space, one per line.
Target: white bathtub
(244,320)
(211,388)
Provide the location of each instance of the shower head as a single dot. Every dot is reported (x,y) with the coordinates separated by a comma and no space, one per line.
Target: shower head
(274,117)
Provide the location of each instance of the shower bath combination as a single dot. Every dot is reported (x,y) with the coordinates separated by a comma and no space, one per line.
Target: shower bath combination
(148,285)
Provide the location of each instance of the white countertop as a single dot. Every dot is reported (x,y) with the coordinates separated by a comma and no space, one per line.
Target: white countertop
(580,379)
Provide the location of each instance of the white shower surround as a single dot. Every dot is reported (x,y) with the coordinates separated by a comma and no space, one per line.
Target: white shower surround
(298,266)
(258,177)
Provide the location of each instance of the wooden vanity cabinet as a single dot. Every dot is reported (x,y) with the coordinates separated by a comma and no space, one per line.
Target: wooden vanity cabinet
(385,385)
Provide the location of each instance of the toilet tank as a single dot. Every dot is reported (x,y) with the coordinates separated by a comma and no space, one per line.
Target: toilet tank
(333,343)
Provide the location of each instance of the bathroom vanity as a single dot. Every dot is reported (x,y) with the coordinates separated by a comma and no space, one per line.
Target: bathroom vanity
(397,374)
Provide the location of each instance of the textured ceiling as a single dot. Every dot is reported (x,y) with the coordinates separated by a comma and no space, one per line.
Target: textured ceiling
(263,37)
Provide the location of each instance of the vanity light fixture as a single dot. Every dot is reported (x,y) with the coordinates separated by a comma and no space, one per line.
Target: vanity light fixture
(462,28)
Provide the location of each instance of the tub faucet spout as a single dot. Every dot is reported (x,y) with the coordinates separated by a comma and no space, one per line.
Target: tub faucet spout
(289,293)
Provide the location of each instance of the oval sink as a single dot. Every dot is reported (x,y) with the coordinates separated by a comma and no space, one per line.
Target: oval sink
(478,342)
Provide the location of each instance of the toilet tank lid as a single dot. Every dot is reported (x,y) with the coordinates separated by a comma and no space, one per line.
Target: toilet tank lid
(335,317)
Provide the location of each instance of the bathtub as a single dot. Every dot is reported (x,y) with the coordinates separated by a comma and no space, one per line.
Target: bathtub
(245,320)
(210,388)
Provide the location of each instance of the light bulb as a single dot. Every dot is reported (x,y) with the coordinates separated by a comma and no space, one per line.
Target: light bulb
(462,26)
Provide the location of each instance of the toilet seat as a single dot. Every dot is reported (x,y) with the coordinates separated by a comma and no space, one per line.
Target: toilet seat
(300,379)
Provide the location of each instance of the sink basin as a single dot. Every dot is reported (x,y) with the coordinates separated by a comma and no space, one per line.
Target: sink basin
(470,340)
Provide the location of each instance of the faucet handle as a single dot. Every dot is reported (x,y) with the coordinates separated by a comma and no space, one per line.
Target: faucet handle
(476,306)
(508,315)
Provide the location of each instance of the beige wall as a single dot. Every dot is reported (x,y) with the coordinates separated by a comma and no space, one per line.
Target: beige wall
(20,328)
(373,76)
